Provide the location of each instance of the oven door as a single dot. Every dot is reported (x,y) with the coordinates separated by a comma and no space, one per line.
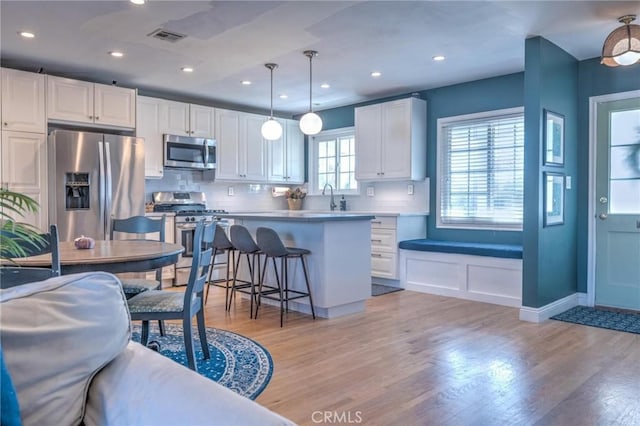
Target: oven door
(189,153)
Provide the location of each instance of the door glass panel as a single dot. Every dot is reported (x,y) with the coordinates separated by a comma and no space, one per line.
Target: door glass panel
(624,163)
(625,196)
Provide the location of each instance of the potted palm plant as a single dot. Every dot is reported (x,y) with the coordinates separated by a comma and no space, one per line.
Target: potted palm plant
(16,235)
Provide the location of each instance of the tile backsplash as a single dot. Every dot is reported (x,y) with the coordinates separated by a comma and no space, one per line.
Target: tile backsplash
(235,196)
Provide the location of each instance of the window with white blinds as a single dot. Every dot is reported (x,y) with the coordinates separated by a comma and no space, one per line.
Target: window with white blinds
(481,170)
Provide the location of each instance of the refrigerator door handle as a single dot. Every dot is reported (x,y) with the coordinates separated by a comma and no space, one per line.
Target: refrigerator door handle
(102,185)
(108,191)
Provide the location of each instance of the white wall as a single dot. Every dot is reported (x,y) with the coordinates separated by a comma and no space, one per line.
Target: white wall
(388,196)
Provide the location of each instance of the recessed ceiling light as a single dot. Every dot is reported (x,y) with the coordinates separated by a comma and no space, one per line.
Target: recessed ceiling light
(116,54)
(376,74)
(325,85)
(137,1)
(245,82)
(438,58)
(284,96)
(26,34)
(187,69)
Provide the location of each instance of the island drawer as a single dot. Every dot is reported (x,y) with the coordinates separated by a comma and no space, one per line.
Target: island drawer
(388,222)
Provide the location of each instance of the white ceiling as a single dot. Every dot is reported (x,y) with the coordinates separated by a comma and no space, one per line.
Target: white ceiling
(229,41)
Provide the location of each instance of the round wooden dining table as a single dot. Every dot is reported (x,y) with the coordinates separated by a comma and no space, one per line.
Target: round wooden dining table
(113,256)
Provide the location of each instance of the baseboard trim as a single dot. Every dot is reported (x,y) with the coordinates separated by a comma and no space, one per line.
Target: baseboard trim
(547,311)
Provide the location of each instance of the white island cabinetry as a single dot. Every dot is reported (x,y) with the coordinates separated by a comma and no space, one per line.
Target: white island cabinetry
(340,260)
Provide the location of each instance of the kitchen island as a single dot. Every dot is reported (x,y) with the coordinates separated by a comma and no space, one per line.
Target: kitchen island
(340,260)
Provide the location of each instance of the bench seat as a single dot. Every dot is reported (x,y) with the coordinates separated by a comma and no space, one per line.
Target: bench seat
(505,251)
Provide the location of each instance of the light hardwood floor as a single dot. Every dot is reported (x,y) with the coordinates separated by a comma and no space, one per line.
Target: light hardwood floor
(418,359)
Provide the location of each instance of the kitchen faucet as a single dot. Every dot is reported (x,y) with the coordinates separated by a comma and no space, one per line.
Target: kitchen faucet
(332,202)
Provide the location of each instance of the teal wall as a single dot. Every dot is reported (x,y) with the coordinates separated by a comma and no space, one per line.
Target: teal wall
(549,253)
(466,98)
(594,79)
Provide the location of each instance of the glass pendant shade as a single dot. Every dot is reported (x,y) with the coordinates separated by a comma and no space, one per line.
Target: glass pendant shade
(271,129)
(311,123)
(622,46)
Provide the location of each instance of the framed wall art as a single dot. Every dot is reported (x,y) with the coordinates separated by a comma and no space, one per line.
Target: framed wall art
(553,137)
(553,199)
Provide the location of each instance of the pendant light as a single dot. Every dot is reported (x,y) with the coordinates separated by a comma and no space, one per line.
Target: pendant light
(622,46)
(310,123)
(271,129)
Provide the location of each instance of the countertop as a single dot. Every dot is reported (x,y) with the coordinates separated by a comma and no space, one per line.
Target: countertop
(338,212)
(300,216)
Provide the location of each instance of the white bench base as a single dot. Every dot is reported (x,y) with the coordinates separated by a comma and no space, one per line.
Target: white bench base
(480,278)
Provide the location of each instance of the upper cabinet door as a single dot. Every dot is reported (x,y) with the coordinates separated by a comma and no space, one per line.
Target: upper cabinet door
(177,118)
(396,135)
(228,140)
(69,100)
(368,142)
(295,152)
(23,107)
(253,151)
(277,157)
(149,127)
(202,120)
(114,106)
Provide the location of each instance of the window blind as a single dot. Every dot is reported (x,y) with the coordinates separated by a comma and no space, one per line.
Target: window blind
(482,179)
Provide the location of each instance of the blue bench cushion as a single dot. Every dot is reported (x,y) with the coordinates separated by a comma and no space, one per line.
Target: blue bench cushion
(508,251)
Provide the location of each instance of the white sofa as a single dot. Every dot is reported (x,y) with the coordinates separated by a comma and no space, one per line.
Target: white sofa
(66,344)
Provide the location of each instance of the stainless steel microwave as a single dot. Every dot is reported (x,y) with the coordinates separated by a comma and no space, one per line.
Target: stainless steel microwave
(185,152)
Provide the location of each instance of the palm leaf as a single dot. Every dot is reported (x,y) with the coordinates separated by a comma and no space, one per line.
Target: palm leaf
(17,239)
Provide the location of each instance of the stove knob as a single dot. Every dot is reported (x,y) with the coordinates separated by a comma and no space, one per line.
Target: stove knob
(193,219)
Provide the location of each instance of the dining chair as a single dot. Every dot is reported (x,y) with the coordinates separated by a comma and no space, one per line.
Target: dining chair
(172,305)
(139,225)
(47,243)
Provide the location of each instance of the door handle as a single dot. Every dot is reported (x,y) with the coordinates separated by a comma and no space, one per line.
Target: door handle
(602,216)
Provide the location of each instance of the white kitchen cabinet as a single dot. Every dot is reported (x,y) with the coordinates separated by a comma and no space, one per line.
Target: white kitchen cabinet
(391,140)
(24,170)
(150,126)
(184,119)
(286,155)
(157,117)
(386,233)
(241,152)
(88,103)
(23,106)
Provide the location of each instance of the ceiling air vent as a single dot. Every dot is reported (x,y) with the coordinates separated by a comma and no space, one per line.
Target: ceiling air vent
(165,35)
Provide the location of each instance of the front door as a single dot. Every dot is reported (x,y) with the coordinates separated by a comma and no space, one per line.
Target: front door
(617,277)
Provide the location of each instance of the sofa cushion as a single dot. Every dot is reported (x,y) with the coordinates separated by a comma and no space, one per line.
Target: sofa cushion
(142,387)
(56,334)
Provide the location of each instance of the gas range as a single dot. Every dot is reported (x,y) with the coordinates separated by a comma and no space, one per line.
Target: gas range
(187,206)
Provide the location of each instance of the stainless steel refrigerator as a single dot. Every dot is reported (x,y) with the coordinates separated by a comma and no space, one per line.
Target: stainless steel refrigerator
(92,178)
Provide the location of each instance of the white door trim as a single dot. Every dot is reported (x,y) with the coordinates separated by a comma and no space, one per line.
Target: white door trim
(591,240)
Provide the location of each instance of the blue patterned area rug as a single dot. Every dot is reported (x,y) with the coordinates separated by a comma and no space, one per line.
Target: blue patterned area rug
(620,321)
(237,362)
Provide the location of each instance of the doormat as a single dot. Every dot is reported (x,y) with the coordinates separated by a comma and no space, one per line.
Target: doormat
(602,318)
(379,289)
(237,362)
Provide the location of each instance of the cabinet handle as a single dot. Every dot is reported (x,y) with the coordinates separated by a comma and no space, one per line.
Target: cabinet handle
(376,241)
(91,117)
(376,255)
(377,221)
(5,124)
(97,118)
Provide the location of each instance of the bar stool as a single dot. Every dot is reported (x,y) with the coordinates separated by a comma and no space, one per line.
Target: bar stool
(271,245)
(243,242)
(221,245)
